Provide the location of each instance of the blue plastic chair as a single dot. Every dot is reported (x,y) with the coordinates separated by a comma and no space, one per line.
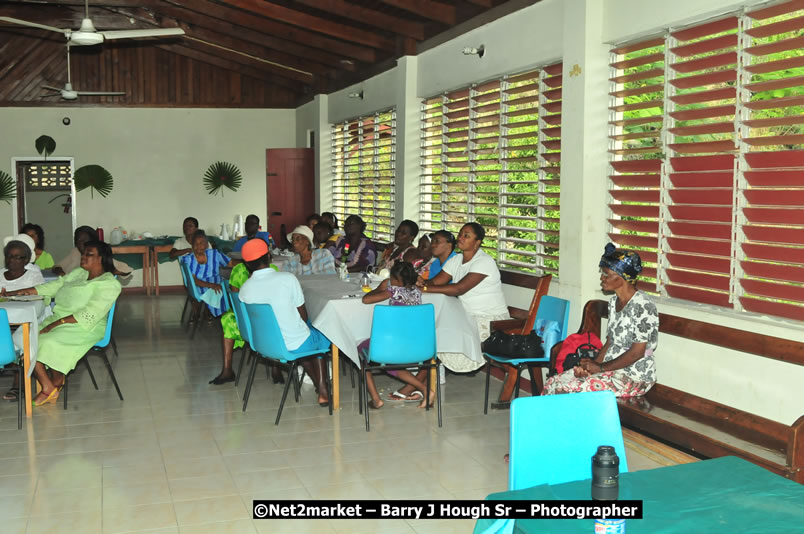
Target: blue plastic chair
(187,289)
(550,309)
(266,340)
(578,423)
(193,292)
(393,347)
(100,349)
(8,355)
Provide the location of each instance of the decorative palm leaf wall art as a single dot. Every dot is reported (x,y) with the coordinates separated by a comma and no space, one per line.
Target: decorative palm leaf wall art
(94,177)
(45,145)
(222,174)
(8,189)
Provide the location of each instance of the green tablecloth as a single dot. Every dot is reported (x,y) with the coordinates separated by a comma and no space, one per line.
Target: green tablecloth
(135,260)
(722,495)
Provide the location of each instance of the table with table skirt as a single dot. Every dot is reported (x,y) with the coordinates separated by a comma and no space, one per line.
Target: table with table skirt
(335,308)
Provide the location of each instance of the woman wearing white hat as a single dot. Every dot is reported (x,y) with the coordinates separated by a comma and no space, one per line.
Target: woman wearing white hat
(307,260)
(20,273)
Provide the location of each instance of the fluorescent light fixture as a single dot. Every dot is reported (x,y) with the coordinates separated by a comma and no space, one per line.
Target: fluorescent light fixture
(357,94)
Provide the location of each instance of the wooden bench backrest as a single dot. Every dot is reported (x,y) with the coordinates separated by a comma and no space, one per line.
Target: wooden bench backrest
(755,343)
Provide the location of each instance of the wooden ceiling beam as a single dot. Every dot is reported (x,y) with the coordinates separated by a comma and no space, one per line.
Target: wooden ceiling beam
(277,29)
(239,45)
(214,59)
(430,9)
(287,15)
(67,17)
(482,3)
(378,19)
(197,20)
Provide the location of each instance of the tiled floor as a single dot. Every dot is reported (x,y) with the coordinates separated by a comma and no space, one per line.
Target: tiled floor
(179,455)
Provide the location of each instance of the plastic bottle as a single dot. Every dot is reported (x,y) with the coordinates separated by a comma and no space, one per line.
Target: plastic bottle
(364,283)
(343,274)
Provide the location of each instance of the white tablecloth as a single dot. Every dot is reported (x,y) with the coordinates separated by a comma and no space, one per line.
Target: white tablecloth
(25,312)
(347,321)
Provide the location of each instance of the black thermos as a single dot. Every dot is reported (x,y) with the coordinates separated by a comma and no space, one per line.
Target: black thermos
(605,474)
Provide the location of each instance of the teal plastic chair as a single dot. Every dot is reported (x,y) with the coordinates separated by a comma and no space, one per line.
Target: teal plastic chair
(578,424)
(193,292)
(393,347)
(8,355)
(229,295)
(267,341)
(550,309)
(100,349)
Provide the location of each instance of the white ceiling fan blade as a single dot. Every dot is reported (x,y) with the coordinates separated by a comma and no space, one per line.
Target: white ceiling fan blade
(51,88)
(98,93)
(133,34)
(34,25)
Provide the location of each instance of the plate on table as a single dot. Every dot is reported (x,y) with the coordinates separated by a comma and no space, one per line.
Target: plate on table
(26,298)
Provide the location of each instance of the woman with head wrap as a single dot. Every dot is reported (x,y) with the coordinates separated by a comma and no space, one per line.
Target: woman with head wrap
(625,363)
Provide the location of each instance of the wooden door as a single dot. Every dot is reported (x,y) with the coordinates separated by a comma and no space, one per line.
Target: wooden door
(290,185)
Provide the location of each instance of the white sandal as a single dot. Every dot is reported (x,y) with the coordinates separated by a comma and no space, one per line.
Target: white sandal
(396,396)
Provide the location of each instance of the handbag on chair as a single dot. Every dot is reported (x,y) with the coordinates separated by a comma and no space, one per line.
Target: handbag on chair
(513,346)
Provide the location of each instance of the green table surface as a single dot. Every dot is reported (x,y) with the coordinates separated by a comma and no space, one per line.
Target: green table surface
(135,260)
(725,494)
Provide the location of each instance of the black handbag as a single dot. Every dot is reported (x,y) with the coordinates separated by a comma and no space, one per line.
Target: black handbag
(513,346)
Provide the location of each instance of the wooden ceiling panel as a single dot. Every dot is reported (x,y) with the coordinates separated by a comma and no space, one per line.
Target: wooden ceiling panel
(249,53)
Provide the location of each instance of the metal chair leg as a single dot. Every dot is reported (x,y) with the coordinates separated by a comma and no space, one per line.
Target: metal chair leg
(427,393)
(89,369)
(184,310)
(245,352)
(64,390)
(360,391)
(284,394)
(297,381)
(249,382)
(20,398)
(111,373)
(195,324)
(365,395)
(329,383)
(518,377)
(113,343)
(488,381)
(351,372)
(438,393)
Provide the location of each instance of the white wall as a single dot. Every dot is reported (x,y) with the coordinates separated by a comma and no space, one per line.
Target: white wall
(158,158)
(579,31)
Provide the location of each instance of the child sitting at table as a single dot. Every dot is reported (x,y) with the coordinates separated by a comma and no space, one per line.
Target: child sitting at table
(400,290)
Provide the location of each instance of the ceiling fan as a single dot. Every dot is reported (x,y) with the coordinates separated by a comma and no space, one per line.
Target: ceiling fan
(88,35)
(68,93)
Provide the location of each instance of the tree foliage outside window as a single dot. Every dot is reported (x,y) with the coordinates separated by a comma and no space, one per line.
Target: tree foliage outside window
(490,153)
(363,165)
(707,156)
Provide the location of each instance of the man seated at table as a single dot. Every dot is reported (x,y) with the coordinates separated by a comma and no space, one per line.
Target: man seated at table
(284,293)
(183,245)
(252,227)
(83,235)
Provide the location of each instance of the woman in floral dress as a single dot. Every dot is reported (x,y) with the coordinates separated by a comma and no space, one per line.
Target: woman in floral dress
(625,363)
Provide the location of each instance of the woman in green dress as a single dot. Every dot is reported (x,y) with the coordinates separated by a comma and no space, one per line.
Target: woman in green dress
(43,258)
(83,300)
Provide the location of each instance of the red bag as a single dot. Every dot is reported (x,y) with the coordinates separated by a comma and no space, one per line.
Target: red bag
(571,344)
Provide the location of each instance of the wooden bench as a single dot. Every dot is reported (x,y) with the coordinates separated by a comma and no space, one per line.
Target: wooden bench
(706,427)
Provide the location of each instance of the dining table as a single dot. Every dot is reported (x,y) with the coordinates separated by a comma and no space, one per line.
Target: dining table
(727,494)
(335,308)
(25,313)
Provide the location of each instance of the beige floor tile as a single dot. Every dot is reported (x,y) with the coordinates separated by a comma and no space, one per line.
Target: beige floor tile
(83,522)
(352,490)
(15,525)
(132,494)
(66,501)
(453,526)
(294,526)
(136,518)
(241,526)
(193,489)
(384,526)
(329,474)
(229,508)
(418,486)
(122,475)
(14,506)
(273,480)
(195,467)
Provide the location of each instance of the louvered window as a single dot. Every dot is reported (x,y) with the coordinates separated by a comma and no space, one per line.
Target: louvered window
(363,165)
(706,160)
(491,154)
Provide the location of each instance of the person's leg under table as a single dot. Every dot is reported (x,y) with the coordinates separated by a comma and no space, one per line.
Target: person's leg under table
(335,394)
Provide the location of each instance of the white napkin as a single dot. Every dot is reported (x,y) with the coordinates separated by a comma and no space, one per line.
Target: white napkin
(212,297)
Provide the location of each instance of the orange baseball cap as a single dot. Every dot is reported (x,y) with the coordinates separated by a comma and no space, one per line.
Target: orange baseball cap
(254,249)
